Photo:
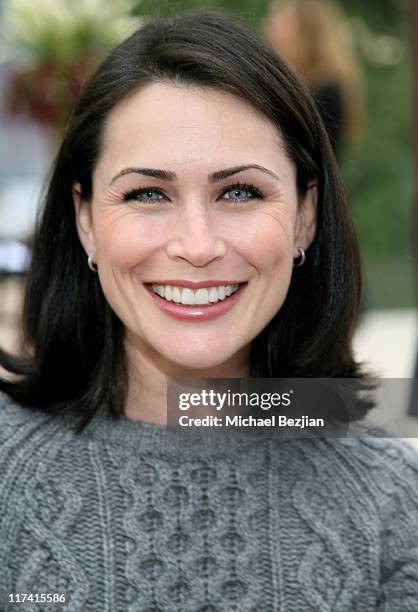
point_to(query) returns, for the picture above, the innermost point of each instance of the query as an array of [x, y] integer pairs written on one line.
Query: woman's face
[[193, 185]]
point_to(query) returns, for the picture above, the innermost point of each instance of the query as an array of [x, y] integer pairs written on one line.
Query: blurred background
[[355, 56]]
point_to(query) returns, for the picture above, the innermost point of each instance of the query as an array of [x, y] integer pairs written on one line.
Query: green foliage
[[61, 31], [247, 9], [379, 173]]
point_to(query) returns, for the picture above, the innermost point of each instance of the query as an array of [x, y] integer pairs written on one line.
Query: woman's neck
[[149, 374]]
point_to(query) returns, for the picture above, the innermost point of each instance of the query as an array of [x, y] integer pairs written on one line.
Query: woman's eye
[[146, 194], [236, 193], [242, 193]]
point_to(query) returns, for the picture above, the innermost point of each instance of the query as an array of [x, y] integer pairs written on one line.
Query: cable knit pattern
[[132, 517]]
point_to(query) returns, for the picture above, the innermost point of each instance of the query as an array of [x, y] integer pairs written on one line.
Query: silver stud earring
[[302, 258], [92, 265]]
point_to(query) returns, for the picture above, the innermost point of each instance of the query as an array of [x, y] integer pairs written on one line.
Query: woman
[[312, 36], [194, 158]]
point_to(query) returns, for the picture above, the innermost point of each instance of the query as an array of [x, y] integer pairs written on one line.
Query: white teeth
[[168, 292], [188, 297], [175, 295], [201, 297], [213, 294]]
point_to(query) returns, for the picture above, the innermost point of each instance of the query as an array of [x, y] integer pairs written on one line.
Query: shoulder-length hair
[[75, 357]]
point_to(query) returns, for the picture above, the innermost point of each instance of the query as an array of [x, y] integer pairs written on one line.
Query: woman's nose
[[197, 237]]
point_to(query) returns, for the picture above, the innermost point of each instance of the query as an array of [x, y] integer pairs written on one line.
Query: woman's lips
[[196, 312]]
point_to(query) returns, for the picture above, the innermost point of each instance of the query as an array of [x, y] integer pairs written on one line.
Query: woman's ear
[[84, 221], [306, 217]]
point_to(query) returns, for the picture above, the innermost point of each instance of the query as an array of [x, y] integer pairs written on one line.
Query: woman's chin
[[196, 367], [198, 363]]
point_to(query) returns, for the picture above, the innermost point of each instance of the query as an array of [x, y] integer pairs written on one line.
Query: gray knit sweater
[[133, 517]]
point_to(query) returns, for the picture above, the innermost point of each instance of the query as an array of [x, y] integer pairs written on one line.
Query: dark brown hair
[[76, 357]]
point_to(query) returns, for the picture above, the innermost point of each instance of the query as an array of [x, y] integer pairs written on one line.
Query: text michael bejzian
[[240, 421], [219, 401]]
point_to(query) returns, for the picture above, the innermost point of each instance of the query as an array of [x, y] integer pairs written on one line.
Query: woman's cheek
[[272, 237], [126, 239]]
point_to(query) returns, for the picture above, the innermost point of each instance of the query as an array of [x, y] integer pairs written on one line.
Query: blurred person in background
[[312, 36]]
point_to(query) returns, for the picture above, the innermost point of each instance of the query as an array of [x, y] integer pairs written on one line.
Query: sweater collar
[[160, 439]]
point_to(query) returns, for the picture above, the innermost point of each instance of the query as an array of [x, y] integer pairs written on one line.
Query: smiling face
[[199, 218]]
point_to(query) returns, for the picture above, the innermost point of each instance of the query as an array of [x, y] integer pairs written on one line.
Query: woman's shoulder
[[13, 414], [366, 470], [24, 426], [376, 448], [378, 470]]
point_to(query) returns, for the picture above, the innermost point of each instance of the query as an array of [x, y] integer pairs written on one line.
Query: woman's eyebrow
[[167, 175], [222, 174], [164, 175]]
